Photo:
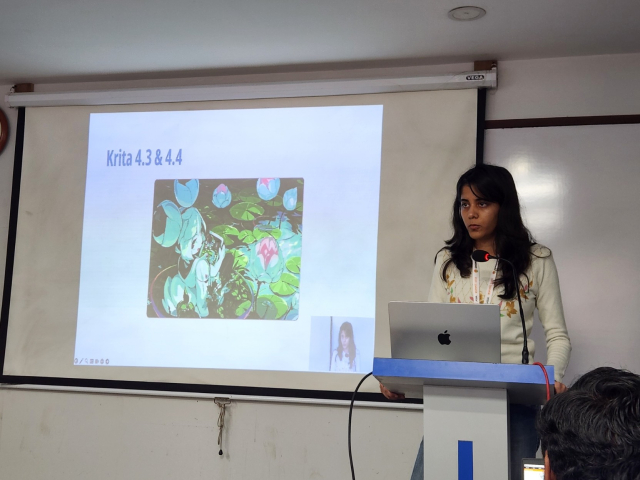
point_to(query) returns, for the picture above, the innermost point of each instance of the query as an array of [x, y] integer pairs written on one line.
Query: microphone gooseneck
[[483, 256]]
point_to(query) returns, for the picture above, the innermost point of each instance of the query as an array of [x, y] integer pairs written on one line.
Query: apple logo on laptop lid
[[444, 339]]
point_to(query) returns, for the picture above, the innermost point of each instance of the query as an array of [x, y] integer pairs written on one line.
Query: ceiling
[[43, 41]]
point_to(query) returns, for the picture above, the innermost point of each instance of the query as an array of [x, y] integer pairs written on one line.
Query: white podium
[[466, 431]]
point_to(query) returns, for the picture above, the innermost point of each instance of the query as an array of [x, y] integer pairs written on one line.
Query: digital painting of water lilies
[[227, 248]]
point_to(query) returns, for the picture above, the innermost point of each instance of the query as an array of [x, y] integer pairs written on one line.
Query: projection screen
[[240, 243]]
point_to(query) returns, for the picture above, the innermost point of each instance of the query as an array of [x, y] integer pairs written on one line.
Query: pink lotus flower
[[221, 196], [265, 260], [267, 188]]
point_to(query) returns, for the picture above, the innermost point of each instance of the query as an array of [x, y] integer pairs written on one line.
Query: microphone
[[483, 256]]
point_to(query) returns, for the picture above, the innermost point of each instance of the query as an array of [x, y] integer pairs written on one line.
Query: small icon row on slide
[[91, 361]]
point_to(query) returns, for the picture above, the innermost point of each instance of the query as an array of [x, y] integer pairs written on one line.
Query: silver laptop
[[457, 332]]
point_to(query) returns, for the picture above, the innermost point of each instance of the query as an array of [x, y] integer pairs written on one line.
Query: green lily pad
[[225, 230], [293, 264], [271, 307], [246, 211], [275, 201], [242, 308], [286, 285]]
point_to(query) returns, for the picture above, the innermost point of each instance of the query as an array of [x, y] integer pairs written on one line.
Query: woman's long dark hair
[[513, 240], [347, 328]]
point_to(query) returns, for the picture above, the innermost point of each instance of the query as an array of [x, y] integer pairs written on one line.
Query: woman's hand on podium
[[389, 394], [560, 387]]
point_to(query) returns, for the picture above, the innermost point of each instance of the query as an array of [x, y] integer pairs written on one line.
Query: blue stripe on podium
[[465, 460], [440, 369]]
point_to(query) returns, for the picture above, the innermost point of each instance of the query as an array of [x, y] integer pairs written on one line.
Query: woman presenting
[[486, 216]]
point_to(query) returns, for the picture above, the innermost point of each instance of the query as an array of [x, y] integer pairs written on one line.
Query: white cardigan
[[542, 291]]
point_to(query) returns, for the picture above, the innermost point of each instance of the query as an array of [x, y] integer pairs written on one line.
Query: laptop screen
[[533, 469]]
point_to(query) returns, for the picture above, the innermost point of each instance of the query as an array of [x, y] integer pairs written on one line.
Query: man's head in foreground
[[592, 432]]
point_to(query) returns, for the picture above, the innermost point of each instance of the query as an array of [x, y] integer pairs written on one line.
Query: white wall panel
[[566, 87], [579, 189], [62, 436]]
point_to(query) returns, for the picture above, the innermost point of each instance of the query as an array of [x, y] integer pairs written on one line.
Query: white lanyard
[[476, 284]]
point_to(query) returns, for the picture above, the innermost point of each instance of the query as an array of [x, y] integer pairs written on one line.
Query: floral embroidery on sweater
[[509, 308]]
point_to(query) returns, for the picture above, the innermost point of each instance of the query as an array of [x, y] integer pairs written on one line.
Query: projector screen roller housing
[[244, 243]]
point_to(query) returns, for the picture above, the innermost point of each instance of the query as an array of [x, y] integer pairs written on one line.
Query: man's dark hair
[[592, 431]]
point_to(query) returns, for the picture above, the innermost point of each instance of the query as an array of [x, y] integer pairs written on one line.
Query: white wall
[[52, 435], [55, 435], [576, 185], [566, 87]]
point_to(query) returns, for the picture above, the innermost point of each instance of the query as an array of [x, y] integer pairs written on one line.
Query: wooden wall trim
[[562, 121]]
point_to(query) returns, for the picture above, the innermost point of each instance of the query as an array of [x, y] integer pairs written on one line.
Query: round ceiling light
[[467, 13]]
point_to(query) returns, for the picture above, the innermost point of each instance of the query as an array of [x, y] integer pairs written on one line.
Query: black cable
[[483, 256], [525, 347], [353, 399]]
